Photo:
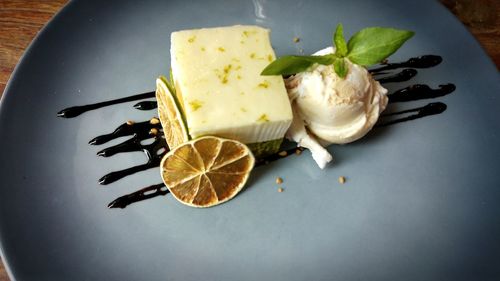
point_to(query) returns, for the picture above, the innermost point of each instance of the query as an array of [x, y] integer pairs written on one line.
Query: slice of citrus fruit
[[171, 119], [207, 171]]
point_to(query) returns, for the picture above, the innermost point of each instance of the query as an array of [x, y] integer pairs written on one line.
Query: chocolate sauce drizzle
[[403, 75], [277, 156], [143, 131], [419, 92], [432, 108], [146, 105], [143, 194], [74, 111], [426, 61]]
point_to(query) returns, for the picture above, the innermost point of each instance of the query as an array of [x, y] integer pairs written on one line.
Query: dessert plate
[[421, 199]]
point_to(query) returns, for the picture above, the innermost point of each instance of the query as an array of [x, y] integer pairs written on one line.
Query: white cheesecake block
[[217, 78]]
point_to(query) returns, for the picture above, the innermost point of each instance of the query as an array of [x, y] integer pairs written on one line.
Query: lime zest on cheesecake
[[366, 47]]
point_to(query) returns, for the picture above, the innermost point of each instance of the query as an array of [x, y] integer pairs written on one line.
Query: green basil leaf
[[289, 65], [339, 41], [373, 44], [340, 67]]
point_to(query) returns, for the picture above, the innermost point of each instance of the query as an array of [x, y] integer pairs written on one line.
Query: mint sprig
[[366, 47], [373, 44], [340, 67], [339, 41], [289, 65]]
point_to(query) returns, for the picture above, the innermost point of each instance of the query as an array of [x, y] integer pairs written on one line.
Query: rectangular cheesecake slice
[[218, 83]]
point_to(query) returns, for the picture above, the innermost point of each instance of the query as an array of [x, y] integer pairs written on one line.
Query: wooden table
[[20, 21]]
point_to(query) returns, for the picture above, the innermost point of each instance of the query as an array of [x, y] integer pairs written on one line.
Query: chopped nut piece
[[130, 122], [280, 189], [283, 153], [153, 131], [342, 179], [279, 180], [154, 121], [296, 39], [298, 151]]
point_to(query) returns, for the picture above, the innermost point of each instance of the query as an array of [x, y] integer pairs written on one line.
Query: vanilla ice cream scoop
[[336, 110], [298, 133]]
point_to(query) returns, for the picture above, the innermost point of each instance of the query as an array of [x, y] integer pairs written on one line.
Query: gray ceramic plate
[[421, 200]]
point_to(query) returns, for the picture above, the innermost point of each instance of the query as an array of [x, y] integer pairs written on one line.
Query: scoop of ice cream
[[336, 110], [298, 133]]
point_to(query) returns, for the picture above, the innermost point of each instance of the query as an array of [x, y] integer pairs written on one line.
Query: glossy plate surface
[[421, 201]]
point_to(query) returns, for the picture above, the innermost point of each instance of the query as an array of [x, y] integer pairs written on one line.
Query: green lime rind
[[171, 89]]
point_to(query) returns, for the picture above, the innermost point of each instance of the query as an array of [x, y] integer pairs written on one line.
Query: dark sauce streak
[[141, 131], [74, 111], [140, 128], [143, 194], [420, 91], [427, 110], [274, 157], [114, 176], [418, 62], [146, 105], [403, 75], [129, 145]]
